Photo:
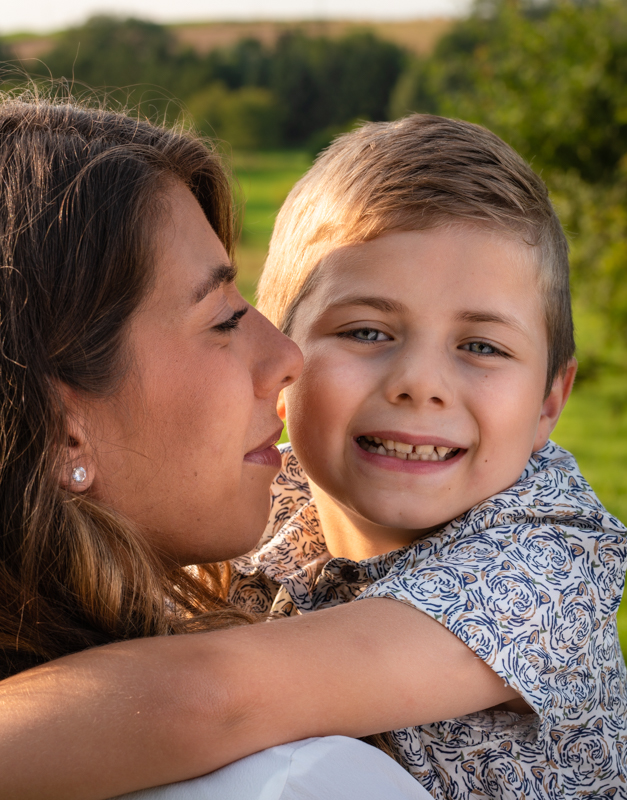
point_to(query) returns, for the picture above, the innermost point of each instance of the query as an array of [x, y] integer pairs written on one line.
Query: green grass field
[[263, 182], [594, 424], [593, 427]]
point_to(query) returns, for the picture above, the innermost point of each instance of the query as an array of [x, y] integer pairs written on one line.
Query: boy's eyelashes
[[369, 335], [483, 349], [231, 323], [365, 334]]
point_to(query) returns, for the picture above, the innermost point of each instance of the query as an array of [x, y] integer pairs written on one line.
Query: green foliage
[[325, 82], [254, 96], [320, 84], [247, 118], [595, 215], [320, 140], [246, 63], [139, 57], [552, 85], [112, 52]]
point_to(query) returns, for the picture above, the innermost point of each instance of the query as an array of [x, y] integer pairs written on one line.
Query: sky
[[47, 15]]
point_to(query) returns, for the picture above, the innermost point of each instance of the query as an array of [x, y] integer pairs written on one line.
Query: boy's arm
[[153, 711]]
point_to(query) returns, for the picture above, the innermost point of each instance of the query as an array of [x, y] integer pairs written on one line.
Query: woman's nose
[[279, 360]]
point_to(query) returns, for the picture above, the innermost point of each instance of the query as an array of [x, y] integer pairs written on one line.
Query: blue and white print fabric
[[530, 580]]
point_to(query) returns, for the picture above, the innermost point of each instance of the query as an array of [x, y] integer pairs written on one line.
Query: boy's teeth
[[405, 451]]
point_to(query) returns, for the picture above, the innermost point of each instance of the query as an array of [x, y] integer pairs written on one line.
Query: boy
[[424, 274]]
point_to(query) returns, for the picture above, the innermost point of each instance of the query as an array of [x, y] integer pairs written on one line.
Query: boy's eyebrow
[[223, 273], [490, 316], [380, 303], [392, 306]]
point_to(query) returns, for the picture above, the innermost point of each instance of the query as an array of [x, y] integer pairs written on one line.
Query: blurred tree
[[246, 118], [323, 83], [140, 57], [548, 78], [294, 80], [320, 140], [308, 84], [246, 63]]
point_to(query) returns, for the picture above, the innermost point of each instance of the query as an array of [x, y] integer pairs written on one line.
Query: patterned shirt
[[531, 580]]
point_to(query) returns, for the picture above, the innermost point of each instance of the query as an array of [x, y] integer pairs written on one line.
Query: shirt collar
[[296, 556]]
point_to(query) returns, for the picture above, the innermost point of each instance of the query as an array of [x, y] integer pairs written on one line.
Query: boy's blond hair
[[416, 173]]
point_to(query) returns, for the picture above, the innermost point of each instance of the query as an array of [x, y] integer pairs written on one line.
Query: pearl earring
[[79, 474]]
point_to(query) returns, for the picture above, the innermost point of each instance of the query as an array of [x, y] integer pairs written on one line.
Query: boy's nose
[[419, 381]]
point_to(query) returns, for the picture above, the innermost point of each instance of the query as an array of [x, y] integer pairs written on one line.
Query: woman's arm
[[324, 768], [154, 711]]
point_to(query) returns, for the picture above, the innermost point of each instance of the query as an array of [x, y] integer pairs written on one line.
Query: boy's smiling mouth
[[404, 451]]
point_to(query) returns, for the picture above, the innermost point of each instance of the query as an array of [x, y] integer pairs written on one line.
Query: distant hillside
[[419, 35]]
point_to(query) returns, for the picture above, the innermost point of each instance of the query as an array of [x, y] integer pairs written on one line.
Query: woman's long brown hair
[[79, 202]]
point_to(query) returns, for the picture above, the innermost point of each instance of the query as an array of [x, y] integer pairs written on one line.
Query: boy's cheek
[[310, 411], [318, 411], [326, 382]]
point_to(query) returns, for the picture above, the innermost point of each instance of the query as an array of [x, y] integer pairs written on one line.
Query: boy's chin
[[415, 525]]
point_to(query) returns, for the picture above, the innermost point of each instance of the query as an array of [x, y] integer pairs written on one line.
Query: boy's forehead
[[400, 259]]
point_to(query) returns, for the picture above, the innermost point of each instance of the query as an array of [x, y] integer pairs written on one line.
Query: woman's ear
[[77, 468], [280, 405], [554, 403]]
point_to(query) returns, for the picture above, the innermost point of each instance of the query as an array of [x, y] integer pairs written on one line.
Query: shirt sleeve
[[527, 600]]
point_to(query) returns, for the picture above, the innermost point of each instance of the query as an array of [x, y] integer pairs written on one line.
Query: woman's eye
[[231, 323], [366, 335], [482, 349]]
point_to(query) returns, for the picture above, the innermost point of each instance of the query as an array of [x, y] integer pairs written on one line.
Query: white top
[[326, 768]]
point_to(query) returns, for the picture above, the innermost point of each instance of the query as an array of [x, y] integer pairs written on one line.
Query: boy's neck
[[348, 535]]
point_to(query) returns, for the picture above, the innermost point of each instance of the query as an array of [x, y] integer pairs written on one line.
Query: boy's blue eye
[[481, 348], [365, 335]]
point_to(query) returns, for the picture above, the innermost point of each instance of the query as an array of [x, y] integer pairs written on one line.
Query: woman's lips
[[268, 457], [267, 454]]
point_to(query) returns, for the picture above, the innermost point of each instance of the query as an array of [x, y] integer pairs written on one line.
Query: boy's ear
[[554, 404], [78, 469], [280, 405]]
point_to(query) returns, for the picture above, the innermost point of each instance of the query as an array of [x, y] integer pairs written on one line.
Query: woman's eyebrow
[[223, 273]]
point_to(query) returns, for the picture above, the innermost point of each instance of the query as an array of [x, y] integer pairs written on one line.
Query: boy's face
[[432, 342]]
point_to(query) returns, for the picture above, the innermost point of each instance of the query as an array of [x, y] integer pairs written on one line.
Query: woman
[[138, 424]]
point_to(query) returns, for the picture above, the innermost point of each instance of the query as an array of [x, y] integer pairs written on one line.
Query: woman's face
[[185, 448]]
